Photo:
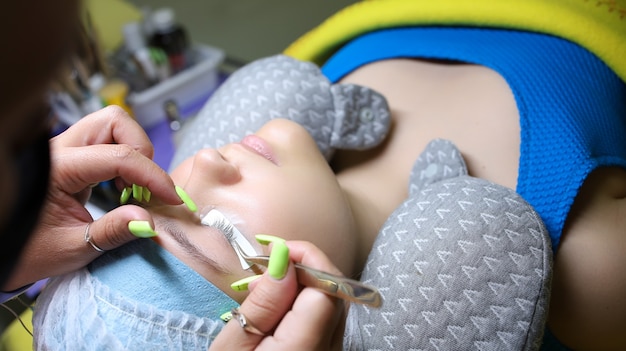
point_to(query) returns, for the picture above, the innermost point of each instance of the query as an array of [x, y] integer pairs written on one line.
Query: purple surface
[[161, 137], [31, 292]]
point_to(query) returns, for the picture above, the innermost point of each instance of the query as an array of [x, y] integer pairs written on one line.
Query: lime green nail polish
[[226, 316], [242, 284], [186, 199], [137, 192], [279, 260], [265, 239], [279, 256], [147, 194], [141, 229], [125, 196]]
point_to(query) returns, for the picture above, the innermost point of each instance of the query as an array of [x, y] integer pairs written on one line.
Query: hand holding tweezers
[[341, 287]]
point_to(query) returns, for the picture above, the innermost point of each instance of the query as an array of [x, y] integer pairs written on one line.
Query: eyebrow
[[190, 248]]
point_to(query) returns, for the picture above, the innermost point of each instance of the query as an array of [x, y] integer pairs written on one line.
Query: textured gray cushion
[[462, 264], [338, 116]]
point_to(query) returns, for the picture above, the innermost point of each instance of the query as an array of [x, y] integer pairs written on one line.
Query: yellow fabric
[[599, 26], [15, 338]]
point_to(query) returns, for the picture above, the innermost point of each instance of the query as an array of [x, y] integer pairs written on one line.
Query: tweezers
[[341, 287]]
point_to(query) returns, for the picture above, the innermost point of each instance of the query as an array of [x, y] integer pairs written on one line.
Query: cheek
[[181, 173], [312, 209], [332, 226]]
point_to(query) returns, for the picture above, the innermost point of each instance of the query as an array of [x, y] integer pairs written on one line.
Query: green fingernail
[[186, 199], [265, 239], [226, 316], [147, 194], [125, 196], [141, 229], [137, 192], [279, 260], [242, 285]]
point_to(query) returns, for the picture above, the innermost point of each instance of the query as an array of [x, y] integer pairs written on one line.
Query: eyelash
[[225, 227]]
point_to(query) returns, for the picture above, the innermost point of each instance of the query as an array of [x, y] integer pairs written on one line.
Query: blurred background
[[161, 60], [244, 29]]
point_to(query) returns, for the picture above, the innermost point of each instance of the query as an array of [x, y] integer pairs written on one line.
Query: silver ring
[[243, 322], [89, 241]]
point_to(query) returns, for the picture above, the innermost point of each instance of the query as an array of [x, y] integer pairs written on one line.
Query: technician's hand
[[285, 316], [105, 145]]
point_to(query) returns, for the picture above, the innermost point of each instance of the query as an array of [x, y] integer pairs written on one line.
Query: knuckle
[[315, 297], [262, 301], [111, 236], [115, 112], [124, 151]]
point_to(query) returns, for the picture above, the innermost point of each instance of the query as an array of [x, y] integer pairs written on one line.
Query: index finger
[[75, 168], [110, 125]]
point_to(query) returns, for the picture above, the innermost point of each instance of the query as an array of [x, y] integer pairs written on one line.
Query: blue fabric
[[137, 297], [144, 271], [572, 106]]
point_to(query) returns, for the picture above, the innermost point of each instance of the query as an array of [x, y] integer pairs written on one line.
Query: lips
[[259, 147]]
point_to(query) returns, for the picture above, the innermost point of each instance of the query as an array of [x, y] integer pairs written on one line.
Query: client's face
[[274, 182]]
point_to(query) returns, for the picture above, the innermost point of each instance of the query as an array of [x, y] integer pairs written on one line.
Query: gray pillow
[[338, 116], [462, 264]]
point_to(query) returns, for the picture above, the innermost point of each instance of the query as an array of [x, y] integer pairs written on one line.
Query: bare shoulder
[[588, 308]]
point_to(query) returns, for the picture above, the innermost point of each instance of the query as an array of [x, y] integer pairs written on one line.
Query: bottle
[[169, 36], [135, 44]]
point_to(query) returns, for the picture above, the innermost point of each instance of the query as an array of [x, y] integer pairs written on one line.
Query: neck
[[372, 191], [369, 218]]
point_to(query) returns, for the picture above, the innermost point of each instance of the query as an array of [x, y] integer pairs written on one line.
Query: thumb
[[120, 226], [270, 298]]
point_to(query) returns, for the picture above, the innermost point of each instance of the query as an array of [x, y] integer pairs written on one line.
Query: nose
[[210, 168]]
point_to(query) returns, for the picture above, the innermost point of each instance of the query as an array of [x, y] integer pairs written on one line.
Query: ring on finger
[[89, 240], [244, 323]]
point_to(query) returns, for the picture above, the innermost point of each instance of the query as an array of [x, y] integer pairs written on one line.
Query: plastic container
[[188, 89]]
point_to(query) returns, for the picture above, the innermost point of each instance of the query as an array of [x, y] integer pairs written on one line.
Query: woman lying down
[[402, 173]]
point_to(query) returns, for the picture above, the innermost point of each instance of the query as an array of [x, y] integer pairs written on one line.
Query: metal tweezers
[[341, 287]]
